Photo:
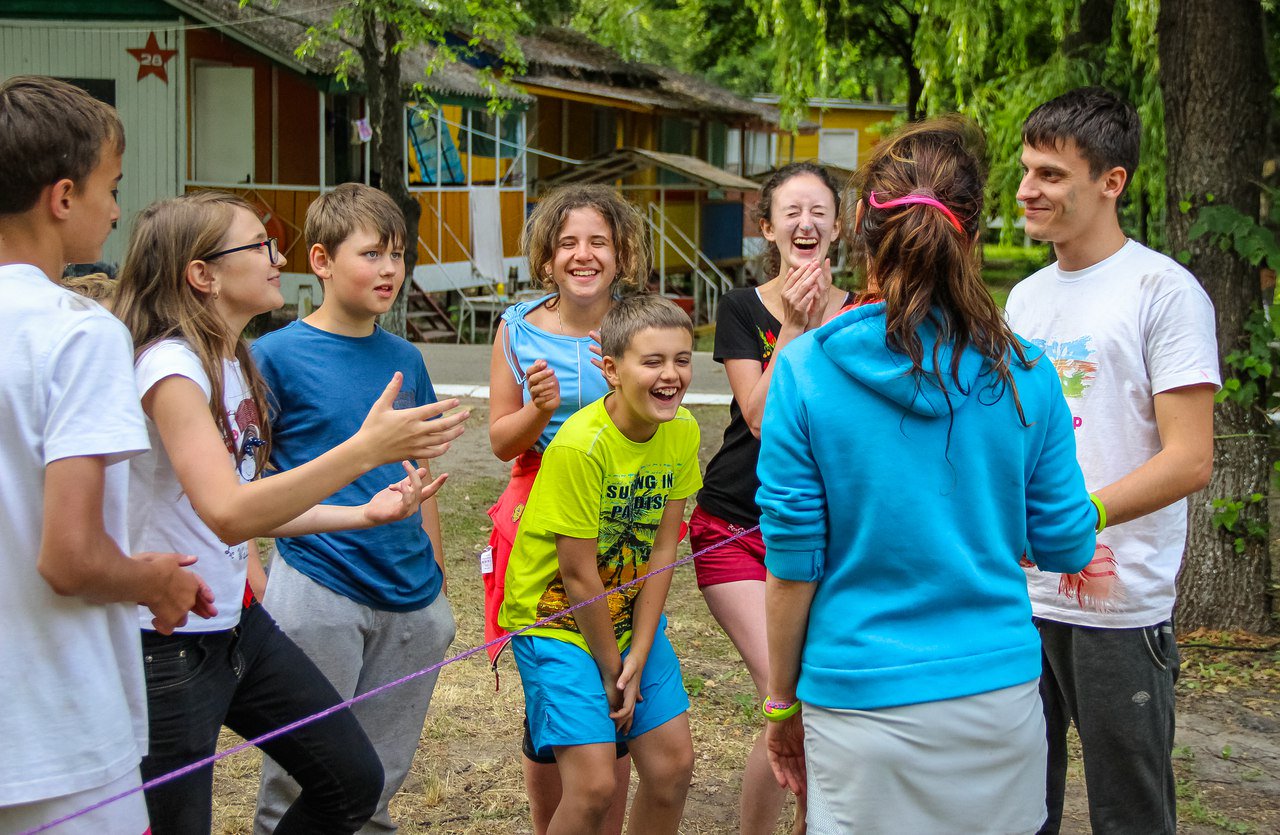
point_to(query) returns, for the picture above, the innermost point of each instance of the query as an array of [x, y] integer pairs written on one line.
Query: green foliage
[[1027, 259], [1244, 519], [1233, 230]]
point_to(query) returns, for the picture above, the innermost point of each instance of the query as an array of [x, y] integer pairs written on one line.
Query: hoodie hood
[[855, 342]]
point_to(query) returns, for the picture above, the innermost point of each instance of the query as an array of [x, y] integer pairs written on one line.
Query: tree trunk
[[1216, 89], [381, 66], [1093, 28]]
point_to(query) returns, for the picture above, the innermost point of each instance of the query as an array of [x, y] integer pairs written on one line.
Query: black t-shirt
[[745, 329]]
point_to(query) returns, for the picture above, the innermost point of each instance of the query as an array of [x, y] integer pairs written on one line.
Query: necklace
[[559, 321]]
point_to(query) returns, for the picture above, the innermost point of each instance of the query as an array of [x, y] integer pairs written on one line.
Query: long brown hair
[[156, 302], [925, 266]]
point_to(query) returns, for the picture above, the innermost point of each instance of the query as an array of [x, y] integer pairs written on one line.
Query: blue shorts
[[564, 700]]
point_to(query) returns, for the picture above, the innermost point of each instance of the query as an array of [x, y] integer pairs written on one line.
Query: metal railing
[[708, 277]]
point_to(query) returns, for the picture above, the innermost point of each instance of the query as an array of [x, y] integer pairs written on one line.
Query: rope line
[[306, 720]]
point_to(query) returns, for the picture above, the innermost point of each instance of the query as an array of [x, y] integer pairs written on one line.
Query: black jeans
[[252, 679], [1117, 686]]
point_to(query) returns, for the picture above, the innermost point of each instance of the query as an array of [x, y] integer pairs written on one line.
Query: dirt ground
[[466, 777]]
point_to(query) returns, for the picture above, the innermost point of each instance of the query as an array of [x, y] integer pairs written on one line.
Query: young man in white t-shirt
[[1132, 336], [74, 718]]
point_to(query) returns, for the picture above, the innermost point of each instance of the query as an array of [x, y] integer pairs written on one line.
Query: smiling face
[[585, 261], [362, 277], [1064, 203], [94, 210], [649, 380], [246, 283], [802, 220]]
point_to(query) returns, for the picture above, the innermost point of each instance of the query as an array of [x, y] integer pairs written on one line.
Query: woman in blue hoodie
[[912, 451]]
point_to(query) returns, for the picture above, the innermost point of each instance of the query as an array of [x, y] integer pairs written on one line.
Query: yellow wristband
[[777, 711], [1102, 513]]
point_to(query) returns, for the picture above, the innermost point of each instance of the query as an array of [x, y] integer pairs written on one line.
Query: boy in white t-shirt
[[74, 723], [1132, 336]]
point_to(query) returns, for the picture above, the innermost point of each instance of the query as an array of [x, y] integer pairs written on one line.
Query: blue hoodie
[[911, 514]]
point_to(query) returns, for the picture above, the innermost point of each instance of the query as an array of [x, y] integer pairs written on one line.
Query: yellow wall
[[869, 124]]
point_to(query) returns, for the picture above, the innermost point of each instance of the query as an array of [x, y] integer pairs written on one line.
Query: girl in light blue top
[[911, 451], [584, 244]]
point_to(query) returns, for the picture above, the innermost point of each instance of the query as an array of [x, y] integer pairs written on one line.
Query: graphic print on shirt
[[767, 340], [1075, 363], [246, 437], [630, 512]]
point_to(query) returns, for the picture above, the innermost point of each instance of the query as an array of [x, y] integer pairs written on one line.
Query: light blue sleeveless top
[[569, 356]]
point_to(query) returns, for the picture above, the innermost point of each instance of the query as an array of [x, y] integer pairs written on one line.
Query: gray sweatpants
[[358, 649]]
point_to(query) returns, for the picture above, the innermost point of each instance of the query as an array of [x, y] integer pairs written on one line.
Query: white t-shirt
[[74, 712], [160, 514], [1119, 332]]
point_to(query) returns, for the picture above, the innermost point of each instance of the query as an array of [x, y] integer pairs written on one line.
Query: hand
[[628, 689], [818, 314], [544, 388], [390, 434], [801, 295], [784, 744], [178, 592], [597, 351], [402, 499]]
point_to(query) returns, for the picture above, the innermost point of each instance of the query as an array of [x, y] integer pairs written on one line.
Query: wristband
[[776, 711], [1102, 513]]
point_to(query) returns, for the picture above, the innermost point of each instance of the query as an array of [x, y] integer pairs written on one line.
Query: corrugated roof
[[624, 162]]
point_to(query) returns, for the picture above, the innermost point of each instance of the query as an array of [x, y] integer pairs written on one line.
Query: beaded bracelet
[[776, 711]]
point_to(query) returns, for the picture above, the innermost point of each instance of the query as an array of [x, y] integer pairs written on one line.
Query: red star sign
[[151, 59]]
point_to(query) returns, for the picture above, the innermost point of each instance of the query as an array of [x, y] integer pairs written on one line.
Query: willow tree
[[1208, 71]]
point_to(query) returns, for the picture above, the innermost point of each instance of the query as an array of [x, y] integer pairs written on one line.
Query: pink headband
[[916, 197]]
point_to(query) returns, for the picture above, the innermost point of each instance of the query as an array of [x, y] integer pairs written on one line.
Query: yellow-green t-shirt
[[595, 483]]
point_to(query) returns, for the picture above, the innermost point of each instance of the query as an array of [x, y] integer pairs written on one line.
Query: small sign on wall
[[152, 59]]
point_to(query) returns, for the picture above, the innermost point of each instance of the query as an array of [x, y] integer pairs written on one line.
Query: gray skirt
[[964, 766]]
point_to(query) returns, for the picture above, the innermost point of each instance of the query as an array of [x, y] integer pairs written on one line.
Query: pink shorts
[[742, 559]]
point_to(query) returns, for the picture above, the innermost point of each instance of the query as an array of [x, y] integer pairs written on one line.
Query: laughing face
[[649, 380], [585, 261], [802, 220]]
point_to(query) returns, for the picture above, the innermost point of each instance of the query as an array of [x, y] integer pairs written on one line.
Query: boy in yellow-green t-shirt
[[606, 508]]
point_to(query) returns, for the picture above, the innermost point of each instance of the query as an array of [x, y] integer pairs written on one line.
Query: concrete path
[[463, 371]]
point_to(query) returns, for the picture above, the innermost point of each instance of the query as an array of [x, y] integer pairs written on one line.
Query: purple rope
[[307, 720]]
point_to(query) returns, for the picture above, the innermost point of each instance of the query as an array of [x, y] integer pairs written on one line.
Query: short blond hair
[[339, 214], [635, 313], [100, 287]]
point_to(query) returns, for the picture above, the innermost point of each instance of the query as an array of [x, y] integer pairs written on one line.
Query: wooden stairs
[[426, 320]]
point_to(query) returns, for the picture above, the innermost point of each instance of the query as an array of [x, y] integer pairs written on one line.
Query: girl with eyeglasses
[[198, 268]]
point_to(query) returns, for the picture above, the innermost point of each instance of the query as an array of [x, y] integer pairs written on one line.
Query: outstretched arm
[[236, 512]]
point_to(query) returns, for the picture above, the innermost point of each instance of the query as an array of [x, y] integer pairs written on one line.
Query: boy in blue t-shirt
[[365, 605], [606, 508]]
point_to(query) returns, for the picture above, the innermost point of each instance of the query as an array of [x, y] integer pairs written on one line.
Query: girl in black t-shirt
[[799, 215]]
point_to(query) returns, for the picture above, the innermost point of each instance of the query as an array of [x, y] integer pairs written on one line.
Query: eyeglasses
[[272, 245]]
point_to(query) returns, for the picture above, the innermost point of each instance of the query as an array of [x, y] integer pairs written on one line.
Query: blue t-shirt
[[569, 356], [322, 387]]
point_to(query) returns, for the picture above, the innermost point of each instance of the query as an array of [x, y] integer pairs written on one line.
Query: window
[[838, 147], [222, 128]]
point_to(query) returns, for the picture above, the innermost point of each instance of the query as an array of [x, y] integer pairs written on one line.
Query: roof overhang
[[625, 162]]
